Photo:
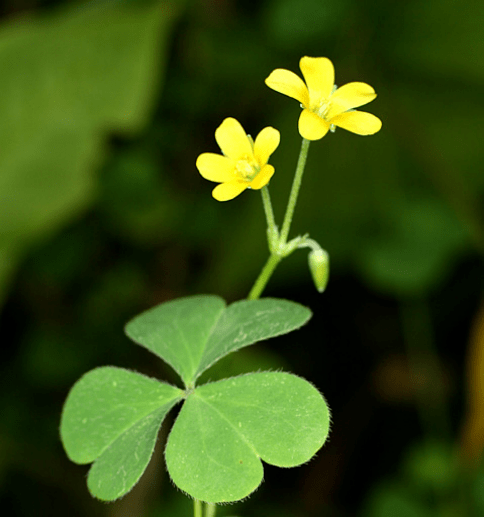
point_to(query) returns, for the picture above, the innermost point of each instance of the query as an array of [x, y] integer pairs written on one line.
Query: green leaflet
[[121, 465], [112, 416], [194, 332], [225, 428]]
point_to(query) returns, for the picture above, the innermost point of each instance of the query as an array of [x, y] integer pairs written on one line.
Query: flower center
[[323, 108], [246, 169]]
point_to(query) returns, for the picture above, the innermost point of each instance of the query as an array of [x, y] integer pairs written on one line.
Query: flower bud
[[319, 267]]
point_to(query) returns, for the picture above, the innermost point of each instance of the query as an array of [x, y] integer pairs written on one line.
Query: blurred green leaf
[[67, 80], [432, 466], [417, 250], [396, 501], [293, 23]]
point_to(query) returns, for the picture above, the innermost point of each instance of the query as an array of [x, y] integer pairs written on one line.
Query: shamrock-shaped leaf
[[194, 332], [225, 428], [112, 416]]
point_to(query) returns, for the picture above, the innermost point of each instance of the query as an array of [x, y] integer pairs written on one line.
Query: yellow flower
[[244, 162], [323, 105]]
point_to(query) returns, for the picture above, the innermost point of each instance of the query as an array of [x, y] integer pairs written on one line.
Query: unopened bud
[[319, 267]]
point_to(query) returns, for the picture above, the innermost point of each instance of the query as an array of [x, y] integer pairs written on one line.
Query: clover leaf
[[112, 416], [192, 333], [224, 429]]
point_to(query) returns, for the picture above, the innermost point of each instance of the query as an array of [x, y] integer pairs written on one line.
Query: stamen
[[323, 108], [246, 170]]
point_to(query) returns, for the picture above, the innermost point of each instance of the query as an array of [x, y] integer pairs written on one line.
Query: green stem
[[197, 508], [264, 276], [296, 185], [277, 243], [210, 510], [266, 201]]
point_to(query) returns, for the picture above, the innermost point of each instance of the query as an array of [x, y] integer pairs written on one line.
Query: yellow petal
[[311, 126], [351, 95], [319, 76], [358, 122], [229, 190], [290, 84], [232, 139], [265, 144], [262, 179], [215, 167]]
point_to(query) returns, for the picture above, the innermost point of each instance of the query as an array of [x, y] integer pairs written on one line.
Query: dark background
[[104, 108]]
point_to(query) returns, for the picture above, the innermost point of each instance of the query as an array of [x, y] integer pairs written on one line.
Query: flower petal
[[358, 122], [311, 126], [288, 83], [229, 190], [215, 167], [232, 139], [265, 144], [262, 179], [351, 95], [319, 76]]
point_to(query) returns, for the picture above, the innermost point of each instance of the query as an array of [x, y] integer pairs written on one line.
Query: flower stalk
[[278, 245], [296, 185], [264, 276], [272, 231]]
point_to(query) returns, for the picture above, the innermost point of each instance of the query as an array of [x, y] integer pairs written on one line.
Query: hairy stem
[[277, 243], [296, 185]]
